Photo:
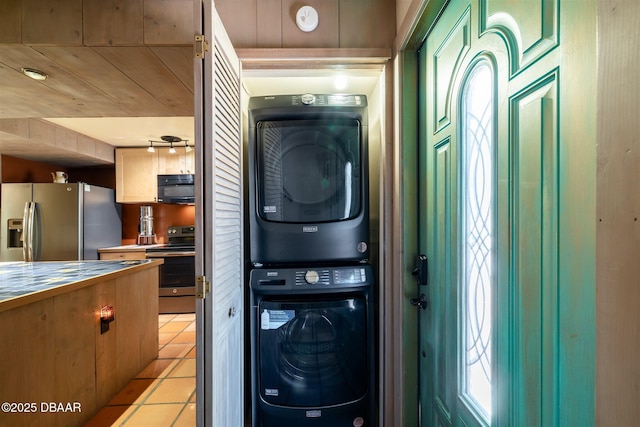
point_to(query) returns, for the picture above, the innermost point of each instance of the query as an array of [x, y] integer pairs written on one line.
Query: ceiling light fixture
[[187, 147], [34, 74], [168, 139], [340, 82]]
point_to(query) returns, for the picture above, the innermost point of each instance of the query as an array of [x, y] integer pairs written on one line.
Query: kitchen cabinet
[[137, 170], [177, 163]]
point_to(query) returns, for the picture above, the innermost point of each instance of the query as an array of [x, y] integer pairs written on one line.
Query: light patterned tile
[[154, 415], [173, 351], [111, 416], [134, 392], [184, 338], [192, 353], [165, 337], [158, 368], [172, 390], [184, 368], [164, 318], [174, 327], [187, 417]]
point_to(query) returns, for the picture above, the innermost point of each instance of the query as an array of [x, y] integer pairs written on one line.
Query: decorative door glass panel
[[478, 165]]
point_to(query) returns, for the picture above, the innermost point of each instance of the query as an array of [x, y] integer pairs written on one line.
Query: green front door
[[506, 216]]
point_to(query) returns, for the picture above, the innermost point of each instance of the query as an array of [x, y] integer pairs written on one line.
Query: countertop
[[125, 248], [25, 282]]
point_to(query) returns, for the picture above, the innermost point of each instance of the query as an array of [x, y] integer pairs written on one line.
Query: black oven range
[[177, 274]]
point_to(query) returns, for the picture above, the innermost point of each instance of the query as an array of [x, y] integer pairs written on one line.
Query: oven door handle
[[169, 254]]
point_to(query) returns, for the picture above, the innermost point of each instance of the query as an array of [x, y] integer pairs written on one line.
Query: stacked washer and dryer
[[312, 308]]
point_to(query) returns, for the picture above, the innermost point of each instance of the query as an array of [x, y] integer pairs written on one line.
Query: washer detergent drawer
[[313, 353]]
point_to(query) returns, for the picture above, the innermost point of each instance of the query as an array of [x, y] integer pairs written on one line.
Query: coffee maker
[[146, 236]]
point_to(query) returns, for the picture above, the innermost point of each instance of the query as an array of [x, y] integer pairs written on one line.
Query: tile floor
[[164, 393]]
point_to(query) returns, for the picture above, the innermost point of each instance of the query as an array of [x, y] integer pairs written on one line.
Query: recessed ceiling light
[[34, 74], [340, 82]]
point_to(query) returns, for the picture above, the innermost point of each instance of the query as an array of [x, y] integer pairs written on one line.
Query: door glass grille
[[478, 235]]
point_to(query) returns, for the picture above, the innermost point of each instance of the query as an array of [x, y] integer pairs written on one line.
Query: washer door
[[312, 354]]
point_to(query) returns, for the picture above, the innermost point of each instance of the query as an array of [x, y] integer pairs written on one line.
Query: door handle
[[420, 302], [421, 269], [420, 273]]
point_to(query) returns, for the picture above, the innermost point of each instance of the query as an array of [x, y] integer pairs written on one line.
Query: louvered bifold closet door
[[222, 223]]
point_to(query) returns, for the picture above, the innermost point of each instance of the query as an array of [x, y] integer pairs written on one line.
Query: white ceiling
[[137, 131]]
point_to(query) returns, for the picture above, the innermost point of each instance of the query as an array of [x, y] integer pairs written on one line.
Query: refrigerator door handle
[[28, 224], [25, 232]]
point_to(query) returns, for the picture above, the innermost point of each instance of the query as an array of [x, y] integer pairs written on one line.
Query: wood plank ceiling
[[103, 59]]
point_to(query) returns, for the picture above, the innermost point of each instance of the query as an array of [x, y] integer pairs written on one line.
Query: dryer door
[[313, 354], [309, 170]]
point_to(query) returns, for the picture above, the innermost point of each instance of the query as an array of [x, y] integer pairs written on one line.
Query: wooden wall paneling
[[618, 215], [26, 334], [86, 145], [148, 284], [168, 22], [52, 22], [127, 326], [42, 131], [268, 24], [15, 127], [240, 26], [106, 345], [367, 23], [179, 59], [113, 22], [75, 353], [105, 152], [10, 21], [325, 35], [66, 140], [147, 70], [118, 95]]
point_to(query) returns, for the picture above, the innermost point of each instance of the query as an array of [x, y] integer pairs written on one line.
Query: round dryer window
[[316, 169]]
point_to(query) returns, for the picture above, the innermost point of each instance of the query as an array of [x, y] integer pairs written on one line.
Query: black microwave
[[177, 189]]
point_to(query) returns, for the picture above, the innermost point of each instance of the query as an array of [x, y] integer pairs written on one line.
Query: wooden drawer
[[122, 255]]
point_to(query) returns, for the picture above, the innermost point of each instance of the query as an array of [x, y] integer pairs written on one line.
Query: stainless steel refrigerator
[[57, 222]]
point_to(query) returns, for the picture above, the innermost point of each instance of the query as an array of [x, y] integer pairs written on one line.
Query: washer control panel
[[333, 276], [311, 277]]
